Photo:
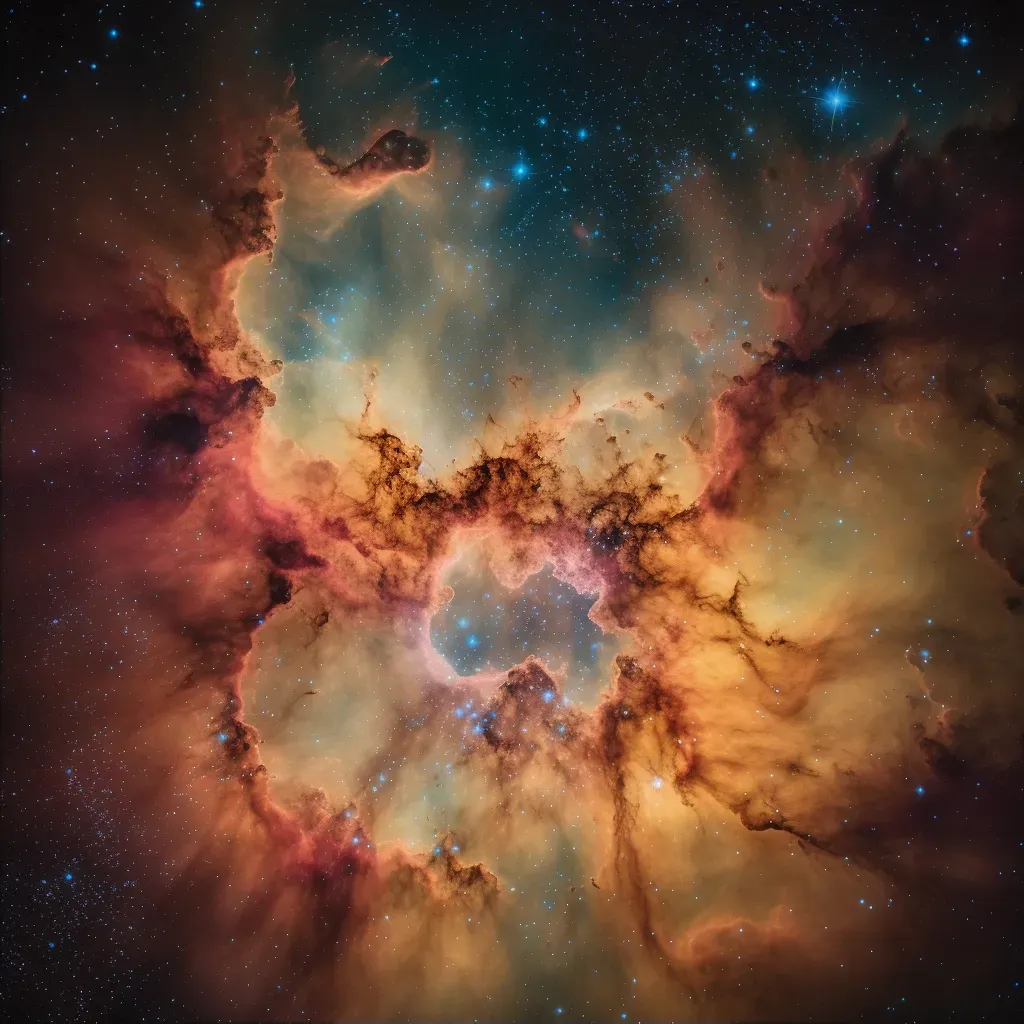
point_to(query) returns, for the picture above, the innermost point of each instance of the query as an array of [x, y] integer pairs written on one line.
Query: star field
[[512, 513]]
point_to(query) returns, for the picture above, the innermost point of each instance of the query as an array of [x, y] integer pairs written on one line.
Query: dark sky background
[[602, 109], [576, 126]]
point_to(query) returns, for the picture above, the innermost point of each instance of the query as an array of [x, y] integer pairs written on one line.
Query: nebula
[[743, 740], [393, 153]]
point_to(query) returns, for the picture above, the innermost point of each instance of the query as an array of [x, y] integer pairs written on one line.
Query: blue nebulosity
[[485, 626], [563, 181]]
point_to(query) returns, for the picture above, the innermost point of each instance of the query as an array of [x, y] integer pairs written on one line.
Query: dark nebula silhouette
[[393, 153]]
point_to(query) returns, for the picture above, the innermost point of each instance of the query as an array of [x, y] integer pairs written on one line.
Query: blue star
[[472, 640], [835, 100], [520, 170], [542, 121], [964, 40], [113, 33], [752, 83], [582, 133], [486, 184]]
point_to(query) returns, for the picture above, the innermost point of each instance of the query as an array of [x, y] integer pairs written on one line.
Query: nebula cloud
[[780, 771]]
